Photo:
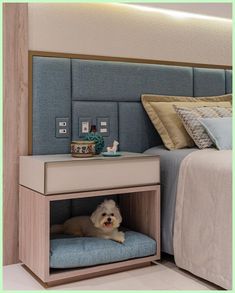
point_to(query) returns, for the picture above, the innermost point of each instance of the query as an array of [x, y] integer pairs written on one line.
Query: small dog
[[103, 223]]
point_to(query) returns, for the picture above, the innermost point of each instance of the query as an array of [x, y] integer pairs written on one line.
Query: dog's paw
[[120, 237]]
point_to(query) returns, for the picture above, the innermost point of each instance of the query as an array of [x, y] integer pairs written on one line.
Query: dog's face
[[107, 216]]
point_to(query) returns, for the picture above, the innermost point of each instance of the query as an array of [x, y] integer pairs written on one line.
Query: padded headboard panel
[[75, 89], [51, 98], [125, 82]]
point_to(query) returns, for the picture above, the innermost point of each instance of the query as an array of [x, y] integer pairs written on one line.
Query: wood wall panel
[[15, 118]]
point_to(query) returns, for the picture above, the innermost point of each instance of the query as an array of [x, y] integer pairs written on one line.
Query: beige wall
[[121, 30]]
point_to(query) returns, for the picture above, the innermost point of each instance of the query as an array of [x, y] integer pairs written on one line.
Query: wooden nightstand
[[135, 178]]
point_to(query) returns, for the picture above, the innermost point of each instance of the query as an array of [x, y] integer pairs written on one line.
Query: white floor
[[162, 276]]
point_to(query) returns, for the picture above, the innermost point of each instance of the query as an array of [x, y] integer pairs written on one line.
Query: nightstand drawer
[[48, 175]]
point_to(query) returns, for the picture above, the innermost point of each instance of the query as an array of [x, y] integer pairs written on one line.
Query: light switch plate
[[102, 125], [62, 127], [84, 125]]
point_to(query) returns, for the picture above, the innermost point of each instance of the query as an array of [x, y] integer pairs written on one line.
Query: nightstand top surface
[[68, 157]]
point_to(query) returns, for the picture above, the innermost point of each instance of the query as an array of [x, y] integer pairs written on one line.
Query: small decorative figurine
[[113, 149]]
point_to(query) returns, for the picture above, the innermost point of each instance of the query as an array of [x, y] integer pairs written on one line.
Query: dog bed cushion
[[89, 251]]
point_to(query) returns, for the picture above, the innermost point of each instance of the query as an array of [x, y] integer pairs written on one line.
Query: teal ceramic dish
[[111, 154]]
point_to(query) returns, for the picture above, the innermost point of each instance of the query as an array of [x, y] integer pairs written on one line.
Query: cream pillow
[[166, 121], [162, 98]]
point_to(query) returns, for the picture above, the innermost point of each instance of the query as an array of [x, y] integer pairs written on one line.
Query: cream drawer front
[[79, 176]]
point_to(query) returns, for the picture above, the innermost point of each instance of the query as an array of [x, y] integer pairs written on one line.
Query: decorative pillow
[[190, 119], [219, 130], [163, 98], [164, 118]]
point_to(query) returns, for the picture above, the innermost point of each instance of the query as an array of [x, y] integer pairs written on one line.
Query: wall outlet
[[102, 124], [84, 125], [63, 123], [62, 127]]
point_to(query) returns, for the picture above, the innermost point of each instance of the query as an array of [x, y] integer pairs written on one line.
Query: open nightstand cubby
[[133, 179]]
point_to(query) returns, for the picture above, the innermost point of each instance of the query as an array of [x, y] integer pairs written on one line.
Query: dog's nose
[[109, 219]]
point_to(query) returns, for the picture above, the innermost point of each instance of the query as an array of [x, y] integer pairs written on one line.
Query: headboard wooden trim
[[124, 59], [100, 58], [30, 103]]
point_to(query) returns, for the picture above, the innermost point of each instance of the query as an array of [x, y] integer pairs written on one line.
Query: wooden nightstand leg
[[34, 232]]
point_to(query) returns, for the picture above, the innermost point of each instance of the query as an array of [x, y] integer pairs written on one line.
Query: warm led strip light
[[173, 13]]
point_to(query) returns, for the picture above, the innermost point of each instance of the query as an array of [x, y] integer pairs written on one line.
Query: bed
[[196, 194], [170, 165], [80, 88]]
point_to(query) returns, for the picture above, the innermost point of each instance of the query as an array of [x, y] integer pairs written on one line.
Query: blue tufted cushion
[[51, 100], [136, 131], [88, 251], [73, 88], [208, 82], [124, 81], [229, 81]]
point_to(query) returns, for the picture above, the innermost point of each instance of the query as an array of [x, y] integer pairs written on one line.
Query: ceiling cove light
[[173, 13]]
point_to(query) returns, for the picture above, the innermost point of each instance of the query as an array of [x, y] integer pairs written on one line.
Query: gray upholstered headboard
[[76, 89]]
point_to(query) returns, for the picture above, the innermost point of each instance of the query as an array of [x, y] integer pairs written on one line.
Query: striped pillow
[[190, 119]]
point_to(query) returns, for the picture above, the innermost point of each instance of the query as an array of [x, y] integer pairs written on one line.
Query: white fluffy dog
[[103, 223]]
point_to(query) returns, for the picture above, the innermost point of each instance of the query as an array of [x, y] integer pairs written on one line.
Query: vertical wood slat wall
[[15, 118]]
